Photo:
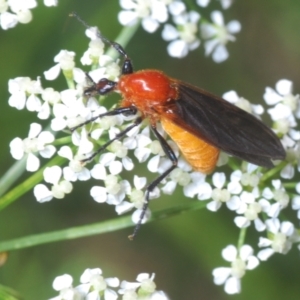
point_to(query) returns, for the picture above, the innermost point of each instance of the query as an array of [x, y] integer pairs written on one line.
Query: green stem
[[242, 237], [272, 172], [93, 229], [13, 174], [28, 184]]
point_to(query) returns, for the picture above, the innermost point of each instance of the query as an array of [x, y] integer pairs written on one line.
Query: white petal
[[16, 148], [84, 175], [150, 24], [142, 154], [153, 164], [58, 124], [98, 172], [17, 100], [203, 3], [99, 194], [108, 295], [273, 225], [66, 152], [48, 151], [205, 190], [50, 2], [220, 54], [176, 8], [232, 286], [169, 33], [124, 207], [264, 242], [265, 254], [259, 225], [33, 103], [213, 205], [218, 179], [107, 158], [44, 111], [127, 18], [221, 274], [234, 203], [177, 48], [139, 182], [229, 253], [252, 263], [33, 163], [169, 188], [42, 193], [62, 282], [245, 252], [217, 17], [234, 26], [137, 214], [241, 222], [284, 87], [115, 167], [52, 174], [8, 20], [34, 130], [52, 73], [127, 163], [287, 228]]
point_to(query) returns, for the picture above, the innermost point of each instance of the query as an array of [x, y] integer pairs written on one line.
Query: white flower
[[250, 210], [23, 92], [50, 2], [63, 284], [218, 35], [284, 113], [59, 187], [70, 112], [20, 12], [50, 97], [241, 261], [279, 195], [114, 191], [65, 62], [145, 286], [283, 236], [224, 3], [76, 170], [35, 143], [217, 194], [137, 199], [151, 12], [184, 37], [94, 285]]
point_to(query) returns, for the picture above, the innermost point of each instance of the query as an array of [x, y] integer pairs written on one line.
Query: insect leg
[[128, 111], [171, 155], [117, 137]]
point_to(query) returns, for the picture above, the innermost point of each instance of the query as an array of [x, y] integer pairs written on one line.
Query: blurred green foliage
[[182, 251]]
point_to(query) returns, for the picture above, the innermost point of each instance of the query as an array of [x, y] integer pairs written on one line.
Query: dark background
[[183, 250]]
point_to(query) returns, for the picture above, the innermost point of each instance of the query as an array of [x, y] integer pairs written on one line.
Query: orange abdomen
[[202, 156]]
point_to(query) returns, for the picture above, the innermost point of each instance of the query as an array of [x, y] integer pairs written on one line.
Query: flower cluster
[[13, 12], [187, 29], [257, 198], [95, 286]]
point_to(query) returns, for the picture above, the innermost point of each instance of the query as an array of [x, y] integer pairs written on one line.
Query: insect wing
[[224, 125]]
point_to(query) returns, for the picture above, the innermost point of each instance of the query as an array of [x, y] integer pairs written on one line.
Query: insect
[[200, 123]]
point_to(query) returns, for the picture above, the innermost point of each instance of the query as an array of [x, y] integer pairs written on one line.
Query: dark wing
[[224, 126]]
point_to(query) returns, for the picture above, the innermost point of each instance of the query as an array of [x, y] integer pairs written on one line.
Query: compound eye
[[103, 87]]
